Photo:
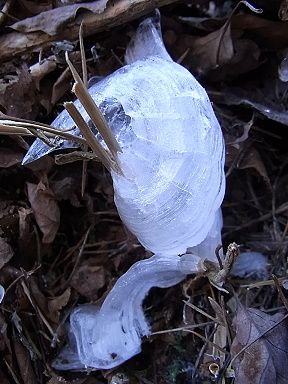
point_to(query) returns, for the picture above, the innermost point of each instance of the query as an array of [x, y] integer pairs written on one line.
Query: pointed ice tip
[[37, 150], [147, 41]]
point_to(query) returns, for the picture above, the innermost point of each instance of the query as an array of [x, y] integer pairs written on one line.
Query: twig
[[78, 258], [116, 13]]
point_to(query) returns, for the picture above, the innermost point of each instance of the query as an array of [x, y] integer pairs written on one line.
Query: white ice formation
[[169, 194], [251, 265]]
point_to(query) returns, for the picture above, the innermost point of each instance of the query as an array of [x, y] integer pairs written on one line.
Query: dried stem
[[93, 111], [85, 81], [26, 128], [89, 136]]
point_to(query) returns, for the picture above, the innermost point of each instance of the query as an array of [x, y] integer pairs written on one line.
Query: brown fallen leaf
[[57, 303], [55, 19], [61, 86], [252, 159], [115, 14], [88, 279], [6, 252], [45, 209], [34, 7], [266, 33], [212, 50], [24, 363], [49, 307], [21, 89], [42, 68], [259, 349]]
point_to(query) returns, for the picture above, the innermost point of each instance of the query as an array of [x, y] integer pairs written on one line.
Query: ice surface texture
[[168, 195], [107, 337]]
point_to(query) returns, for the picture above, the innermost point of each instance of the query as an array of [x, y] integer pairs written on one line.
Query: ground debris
[[259, 349], [60, 246]]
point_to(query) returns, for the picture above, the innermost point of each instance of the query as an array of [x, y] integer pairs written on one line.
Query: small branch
[[117, 13]]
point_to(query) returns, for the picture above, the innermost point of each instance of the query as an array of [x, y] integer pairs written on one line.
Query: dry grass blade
[[184, 328], [27, 128], [83, 58], [89, 136], [85, 81], [203, 312], [14, 130], [37, 309], [93, 111]]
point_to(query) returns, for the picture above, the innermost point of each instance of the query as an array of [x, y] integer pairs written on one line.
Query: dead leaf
[[252, 159], [265, 33], [10, 157], [264, 337], [24, 227], [49, 307], [268, 96], [57, 303], [36, 7], [45, 209], [61, 86], [24, 363], [6, 252], [53, 20], [42, 68], [212, 50], [21, 89], [66, 189], [88, 279], [283, 10]]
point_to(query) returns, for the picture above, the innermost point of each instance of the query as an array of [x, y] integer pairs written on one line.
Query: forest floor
[[62, 242]]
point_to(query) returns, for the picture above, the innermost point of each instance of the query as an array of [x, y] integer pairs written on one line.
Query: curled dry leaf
[[42, 68], [55, 19], [212, 50], [260, 347], [45, 209]]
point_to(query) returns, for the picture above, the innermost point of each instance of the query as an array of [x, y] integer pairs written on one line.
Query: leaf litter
[[60, 247]]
